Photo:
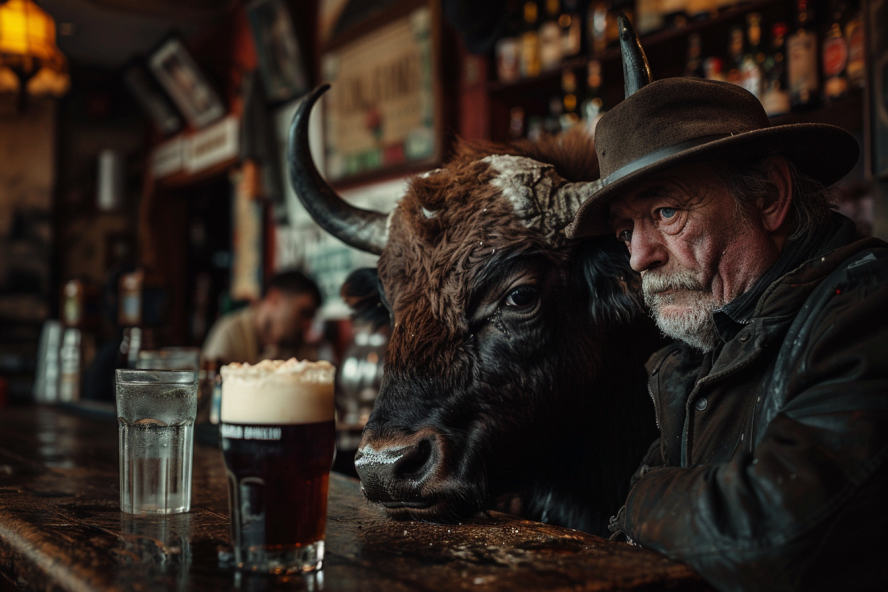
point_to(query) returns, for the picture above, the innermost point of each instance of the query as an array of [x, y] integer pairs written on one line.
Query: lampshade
[[28, 49]]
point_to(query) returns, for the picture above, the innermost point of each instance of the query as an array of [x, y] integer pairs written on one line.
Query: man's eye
[[522, 297], [625, 236], [667, 213]]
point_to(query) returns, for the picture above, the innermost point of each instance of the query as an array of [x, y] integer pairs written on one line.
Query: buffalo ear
[[361, 293], [614, 288]]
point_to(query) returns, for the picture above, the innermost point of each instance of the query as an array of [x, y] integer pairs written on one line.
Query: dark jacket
[[771, 471]]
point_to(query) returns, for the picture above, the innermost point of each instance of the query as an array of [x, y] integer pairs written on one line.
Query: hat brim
[[824, 152]]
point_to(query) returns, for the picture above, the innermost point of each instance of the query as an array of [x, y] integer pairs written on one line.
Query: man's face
[[693, 247], [288, 317]]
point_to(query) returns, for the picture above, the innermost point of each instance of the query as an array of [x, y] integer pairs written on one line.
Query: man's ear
[[775, 210], [614, 288]]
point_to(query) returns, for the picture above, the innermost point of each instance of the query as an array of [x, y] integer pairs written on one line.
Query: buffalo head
[[505, 336]]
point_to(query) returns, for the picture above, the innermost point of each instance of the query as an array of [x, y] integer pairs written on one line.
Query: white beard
[[686, 313]]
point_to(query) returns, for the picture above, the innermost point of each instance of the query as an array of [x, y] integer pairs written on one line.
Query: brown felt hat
[[677, 121]]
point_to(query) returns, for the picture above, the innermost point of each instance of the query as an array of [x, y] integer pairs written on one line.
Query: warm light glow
[[28, 50], [9, 82], [49, 82]]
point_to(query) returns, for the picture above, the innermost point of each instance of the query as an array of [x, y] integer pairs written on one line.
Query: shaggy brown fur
[[485, 398], [431, 262]]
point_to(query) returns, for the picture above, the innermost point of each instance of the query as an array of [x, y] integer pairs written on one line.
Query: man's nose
[[646, 251]]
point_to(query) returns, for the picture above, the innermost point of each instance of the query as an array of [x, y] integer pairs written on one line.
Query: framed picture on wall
[[382, 114], [877, 88], [151, 98], [180, 77], [280, 57]]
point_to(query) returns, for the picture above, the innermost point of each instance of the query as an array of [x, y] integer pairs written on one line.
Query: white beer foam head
[[277, 392]]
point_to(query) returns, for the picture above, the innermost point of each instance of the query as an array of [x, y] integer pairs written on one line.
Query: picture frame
[[184, 82], [876, 95], [151, 98], [383, 113], [281, 60]]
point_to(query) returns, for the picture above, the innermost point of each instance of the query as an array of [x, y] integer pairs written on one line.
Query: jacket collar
[[787, 294]]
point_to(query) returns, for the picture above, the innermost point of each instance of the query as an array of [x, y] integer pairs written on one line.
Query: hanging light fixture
[[30, 60]]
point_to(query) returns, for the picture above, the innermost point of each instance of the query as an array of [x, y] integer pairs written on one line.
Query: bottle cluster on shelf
[[788, 67], [789, 70]]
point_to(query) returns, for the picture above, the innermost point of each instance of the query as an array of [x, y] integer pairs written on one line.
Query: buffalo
[[514, 378]]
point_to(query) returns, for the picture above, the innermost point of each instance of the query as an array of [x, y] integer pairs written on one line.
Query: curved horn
[[636, 70], [362, 229]]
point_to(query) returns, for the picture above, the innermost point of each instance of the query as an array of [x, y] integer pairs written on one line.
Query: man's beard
[[692, 303]]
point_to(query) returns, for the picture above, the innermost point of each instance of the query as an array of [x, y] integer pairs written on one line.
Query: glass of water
[[155, 414]]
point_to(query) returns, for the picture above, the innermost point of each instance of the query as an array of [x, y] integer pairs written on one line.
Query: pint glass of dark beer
[[278, 440]]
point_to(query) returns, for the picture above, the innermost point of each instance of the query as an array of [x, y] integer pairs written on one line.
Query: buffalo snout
[[398, 472]]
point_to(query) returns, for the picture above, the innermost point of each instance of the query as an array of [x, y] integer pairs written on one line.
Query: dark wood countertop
[[61, 529]]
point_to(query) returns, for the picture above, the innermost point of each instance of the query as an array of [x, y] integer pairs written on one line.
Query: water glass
[[156, 410]]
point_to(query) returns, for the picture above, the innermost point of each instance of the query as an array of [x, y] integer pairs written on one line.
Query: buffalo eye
[[522, 297]]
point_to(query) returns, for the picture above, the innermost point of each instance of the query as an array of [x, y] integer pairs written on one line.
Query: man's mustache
[[653, 284]]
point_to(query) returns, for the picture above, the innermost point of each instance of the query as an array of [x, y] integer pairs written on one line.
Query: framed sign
[[382, 112], [280, 59], [151, 99], [173, 67]]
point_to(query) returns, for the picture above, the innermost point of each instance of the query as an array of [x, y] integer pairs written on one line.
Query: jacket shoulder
[[840, 335]]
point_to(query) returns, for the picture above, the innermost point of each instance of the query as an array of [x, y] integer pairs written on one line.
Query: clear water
[[155, 466]]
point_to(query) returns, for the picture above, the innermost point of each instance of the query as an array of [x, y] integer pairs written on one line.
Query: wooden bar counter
[[61, 529]]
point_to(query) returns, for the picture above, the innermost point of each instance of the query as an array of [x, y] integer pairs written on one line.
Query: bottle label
[[775, 101], [751, 77], [835, 56], [530, 54], [802, 65], [856, 52], [508, 59], [550, 45], [571, 37], [648, 16]]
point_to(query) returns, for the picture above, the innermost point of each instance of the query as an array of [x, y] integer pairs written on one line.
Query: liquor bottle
[[648, 16], [775, 98], [571, 23], [801, 73], [694, 64], [530, 42], [593, 102], [856, 49], [735, 56], [130, 299], [674, 14], [71, 365], [569, 103], [835, 55], [73, 303], [713, 69], [508, 51], [516, 123], [550, 37], [597, 17], [751, 67], [130, 347]]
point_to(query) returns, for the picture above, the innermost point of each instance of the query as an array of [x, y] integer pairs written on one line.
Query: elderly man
[[771, 471]]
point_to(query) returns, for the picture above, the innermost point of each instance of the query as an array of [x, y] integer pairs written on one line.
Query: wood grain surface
[[61, 529]]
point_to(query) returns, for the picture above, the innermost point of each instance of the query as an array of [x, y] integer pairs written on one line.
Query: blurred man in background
[[271, 328]]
